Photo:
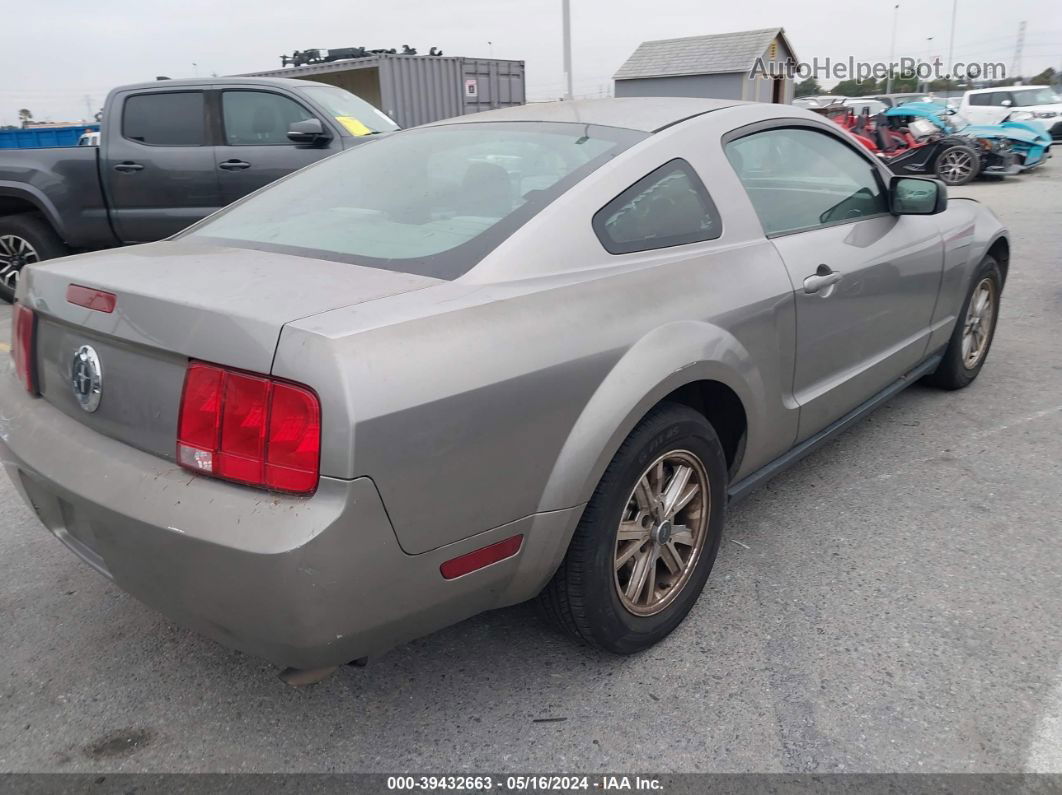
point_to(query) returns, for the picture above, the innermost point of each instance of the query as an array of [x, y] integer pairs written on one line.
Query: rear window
[[431, 201], [165, 119]]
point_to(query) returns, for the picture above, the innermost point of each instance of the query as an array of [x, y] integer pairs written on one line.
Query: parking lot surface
[[890, 604]]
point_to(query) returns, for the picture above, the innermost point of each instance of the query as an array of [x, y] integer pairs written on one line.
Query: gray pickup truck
[[170, 153]]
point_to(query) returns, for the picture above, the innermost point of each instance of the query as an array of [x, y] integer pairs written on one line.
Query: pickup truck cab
[[1015, 103], [170, 153]]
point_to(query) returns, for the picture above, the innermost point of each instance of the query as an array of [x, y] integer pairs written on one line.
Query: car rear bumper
[[302, 582]]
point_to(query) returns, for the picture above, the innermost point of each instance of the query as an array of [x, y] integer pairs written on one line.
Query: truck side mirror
[[1006, 103], [310, 132]]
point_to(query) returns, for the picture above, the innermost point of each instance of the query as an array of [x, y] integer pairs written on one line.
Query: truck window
[[259, 118], [979, 99], [172, 118]]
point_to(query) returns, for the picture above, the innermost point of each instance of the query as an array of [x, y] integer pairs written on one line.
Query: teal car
[[1029, 140]]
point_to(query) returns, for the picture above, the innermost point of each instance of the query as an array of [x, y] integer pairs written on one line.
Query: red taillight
[[23, 326], [484, 556], [249, 429]]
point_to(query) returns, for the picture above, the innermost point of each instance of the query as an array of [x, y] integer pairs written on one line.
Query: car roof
[[1003, 88], [205, 82], [647, 114]]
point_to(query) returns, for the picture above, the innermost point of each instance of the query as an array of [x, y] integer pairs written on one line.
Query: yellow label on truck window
[[354, 127]]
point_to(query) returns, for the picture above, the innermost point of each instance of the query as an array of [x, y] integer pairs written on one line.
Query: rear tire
[[974, 330], [637, 562], [957, 165], [24, 239]]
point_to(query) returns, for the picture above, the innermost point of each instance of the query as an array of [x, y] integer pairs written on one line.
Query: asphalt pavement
[[890, 604]]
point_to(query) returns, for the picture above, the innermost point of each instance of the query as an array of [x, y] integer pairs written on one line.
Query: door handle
[[128, 166], [234, 165], [823, 277]]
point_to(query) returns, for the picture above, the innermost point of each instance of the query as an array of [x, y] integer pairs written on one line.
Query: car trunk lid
[[176, 301]]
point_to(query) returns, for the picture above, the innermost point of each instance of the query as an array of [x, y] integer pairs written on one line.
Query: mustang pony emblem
[[86, 378]]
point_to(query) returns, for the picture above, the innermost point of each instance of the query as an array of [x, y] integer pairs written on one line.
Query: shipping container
[[417, 89], [43, 137]]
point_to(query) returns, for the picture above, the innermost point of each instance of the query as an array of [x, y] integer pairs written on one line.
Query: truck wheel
[[957, 165], [972, 337], [24, 238], [647, 538]]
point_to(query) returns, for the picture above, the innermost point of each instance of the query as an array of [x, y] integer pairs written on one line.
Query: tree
[[808, 88], [1046, 78], [856, 88], [25, 115]]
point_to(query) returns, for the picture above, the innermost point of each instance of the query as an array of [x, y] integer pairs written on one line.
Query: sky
[[59, 58]]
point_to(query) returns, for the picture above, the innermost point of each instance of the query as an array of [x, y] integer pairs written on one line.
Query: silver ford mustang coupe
[[529, 352]]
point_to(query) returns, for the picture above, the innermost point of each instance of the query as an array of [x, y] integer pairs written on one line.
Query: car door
[[255, 149], [157, 166], [865, 281], [990, 107]]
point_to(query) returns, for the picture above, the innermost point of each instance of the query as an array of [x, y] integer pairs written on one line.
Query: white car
[[1014, 103]]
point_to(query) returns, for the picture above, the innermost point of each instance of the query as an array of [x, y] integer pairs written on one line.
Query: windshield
[[956, 121], [431, 200], [1041, 96], [353, 112], [872, 106]]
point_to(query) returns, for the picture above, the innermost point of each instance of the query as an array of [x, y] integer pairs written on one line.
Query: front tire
[[648, 536], [974, 330], [957, 165], [24, 239]]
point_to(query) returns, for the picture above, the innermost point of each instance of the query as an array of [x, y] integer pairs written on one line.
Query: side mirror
[[917, 196], [310, 131], [1006, 103]]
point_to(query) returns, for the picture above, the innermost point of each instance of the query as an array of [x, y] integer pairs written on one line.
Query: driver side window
[[800, 179]]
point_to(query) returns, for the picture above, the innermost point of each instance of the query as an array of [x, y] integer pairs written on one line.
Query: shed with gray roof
[[747, 65]]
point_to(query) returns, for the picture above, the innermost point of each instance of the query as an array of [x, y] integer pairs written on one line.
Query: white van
[[1014, 103]]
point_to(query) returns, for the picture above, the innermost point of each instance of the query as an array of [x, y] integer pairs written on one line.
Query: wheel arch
[[999, 250], [696, 364], [18, 199]]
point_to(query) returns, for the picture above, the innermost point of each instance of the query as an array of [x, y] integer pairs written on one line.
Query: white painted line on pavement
[[1045, 750]]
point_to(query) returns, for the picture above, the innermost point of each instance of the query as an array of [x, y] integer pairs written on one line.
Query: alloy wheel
[[661, 532], [956, 166], [977, 327], [15, 253]]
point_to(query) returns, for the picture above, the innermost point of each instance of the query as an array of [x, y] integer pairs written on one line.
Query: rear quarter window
[[667, 207]]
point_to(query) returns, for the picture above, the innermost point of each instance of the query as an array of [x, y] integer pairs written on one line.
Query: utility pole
[[1015, 69], [892, 47], [951, 39], [566, 11]]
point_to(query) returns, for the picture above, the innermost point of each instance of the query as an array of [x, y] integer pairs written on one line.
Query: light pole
[[929, 54], [892, 47], [566, 11]]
